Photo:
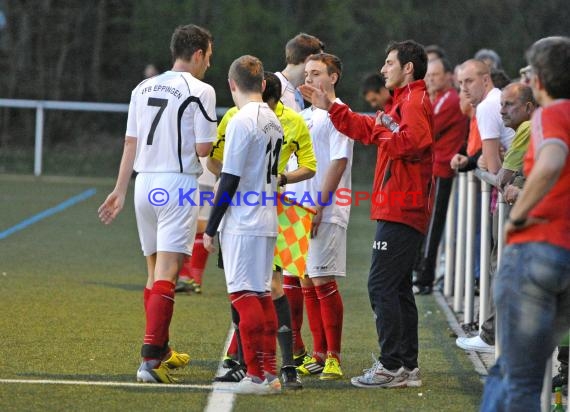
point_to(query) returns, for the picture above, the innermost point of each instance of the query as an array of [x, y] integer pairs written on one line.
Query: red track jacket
[[403, 176]]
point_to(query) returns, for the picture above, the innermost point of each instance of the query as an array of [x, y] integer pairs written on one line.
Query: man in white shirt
[[171, 121], [249, 228], [292, 76], [326, 259], [475, 80]]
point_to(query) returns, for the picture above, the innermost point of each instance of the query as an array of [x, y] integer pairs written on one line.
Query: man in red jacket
[[450, 134], [400, 205]]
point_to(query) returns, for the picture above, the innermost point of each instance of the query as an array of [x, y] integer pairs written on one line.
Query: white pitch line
[[104, 383], [222, 397]]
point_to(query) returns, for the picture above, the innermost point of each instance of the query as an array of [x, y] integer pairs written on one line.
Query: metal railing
[[40, 106], [459, 254]]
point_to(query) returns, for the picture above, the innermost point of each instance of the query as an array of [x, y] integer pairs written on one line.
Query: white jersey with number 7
[[169, 114]]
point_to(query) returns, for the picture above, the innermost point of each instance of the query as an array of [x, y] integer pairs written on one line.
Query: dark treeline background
[[96, 50]]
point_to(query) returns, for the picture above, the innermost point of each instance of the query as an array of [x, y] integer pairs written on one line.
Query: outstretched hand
[[209, 243], [317, 97], [111, 207]]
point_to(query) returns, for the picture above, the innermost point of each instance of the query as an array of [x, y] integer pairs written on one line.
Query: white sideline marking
[[105, 383], [222, 397]]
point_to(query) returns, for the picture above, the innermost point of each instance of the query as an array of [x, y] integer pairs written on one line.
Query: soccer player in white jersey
[[327, 247], [292, 76], [171, 121], [249, 228]]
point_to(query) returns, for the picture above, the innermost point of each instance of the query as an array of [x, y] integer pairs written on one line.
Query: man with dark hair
[[253, 140], [450, 134], [296, 52], [532, 287], [404, 137], [374, 91], [171, 121]]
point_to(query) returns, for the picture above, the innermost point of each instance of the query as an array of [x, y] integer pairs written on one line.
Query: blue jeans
[[532, 297]]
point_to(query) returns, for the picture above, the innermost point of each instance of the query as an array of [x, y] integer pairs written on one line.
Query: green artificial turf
[[71, 304]]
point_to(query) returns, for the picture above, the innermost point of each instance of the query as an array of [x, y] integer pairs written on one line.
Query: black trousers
[[390, 290], [426, 266]]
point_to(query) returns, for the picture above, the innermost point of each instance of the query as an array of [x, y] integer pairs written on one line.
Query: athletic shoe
[[380, 377], [421, 290], [187, 286], [475, 344], [331, 370], [229, 362], [414, 377], [298, 359], [273, 387], [176, 360], [253, 386], [154, 372], [291, 378], [310, 366], [235, 374]]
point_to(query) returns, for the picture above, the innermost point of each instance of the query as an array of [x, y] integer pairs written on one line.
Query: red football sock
[[294, 293], [269, 334], [159, 311], [315, 322], [199, 259], [184, 273], [233, 348], [251, 326], [332, 311], [146, 296]]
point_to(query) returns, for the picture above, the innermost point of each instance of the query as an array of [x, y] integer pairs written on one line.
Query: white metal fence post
[[470, 240], [484, 307], [460, 246], [450, 241], [39, 139]]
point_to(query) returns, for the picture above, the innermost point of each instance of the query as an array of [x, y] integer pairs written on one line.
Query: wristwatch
[[518, 222]]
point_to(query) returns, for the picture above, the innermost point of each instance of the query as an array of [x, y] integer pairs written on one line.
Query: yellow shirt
[[297, 140]]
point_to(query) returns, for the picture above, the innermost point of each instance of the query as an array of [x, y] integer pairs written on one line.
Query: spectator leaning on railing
[[532, 287]]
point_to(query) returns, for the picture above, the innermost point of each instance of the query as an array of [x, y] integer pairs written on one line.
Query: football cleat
[[175, 360], [331, 370], [310, 366], [298, 359], [291, 378], [235, 374], [154, 372]]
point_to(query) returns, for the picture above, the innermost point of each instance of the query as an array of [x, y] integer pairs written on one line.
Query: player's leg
[[245, 277], [294, 292], [175, 229], [284, 331], [313, 364], [150, 264], [330, 246]]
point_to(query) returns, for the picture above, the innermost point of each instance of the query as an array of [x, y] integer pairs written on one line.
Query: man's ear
[[197, 54], [334, 78], [409, 68], [232, 84], [263, 84]]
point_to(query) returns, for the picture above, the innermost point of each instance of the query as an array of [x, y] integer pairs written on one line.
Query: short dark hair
[[437, 50], [410, 51], [302, 46], [525, 94], [550, 58], [499, 78], [333, 63], [247, 72], [186, 40], [372, 82], [272, 87]]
